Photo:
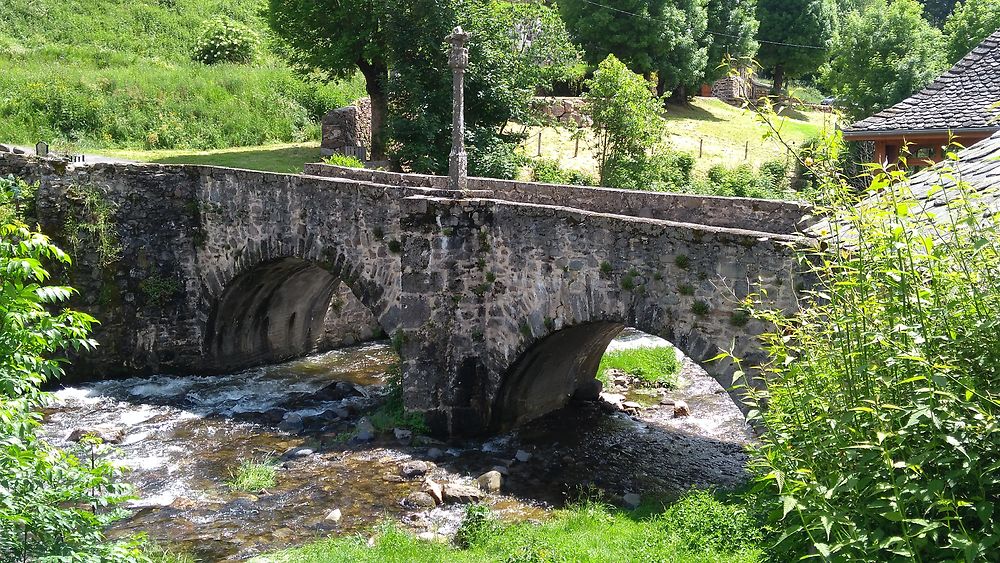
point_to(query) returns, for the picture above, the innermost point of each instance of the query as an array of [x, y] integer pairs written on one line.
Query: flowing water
[[180, 437]]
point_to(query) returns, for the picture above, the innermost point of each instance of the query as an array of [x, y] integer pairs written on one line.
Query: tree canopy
[[732, 26], [661, 37], [968, 25], [339, 39], [805, 27], [883, 55]]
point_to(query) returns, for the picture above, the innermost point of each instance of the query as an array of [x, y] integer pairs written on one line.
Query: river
[[180, 437]]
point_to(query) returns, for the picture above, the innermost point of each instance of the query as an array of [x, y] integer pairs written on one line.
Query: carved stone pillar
[[458, 160]]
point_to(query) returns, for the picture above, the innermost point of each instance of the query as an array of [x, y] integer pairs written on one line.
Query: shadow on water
[[181, 436]]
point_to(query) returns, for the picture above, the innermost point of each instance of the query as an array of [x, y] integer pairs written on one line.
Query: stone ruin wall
[[346, 129]]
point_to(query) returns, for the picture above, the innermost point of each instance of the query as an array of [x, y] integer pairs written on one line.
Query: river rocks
[[589, 390], [336, 391], [490, 481], [403, 435], [420, 499], [632, 500], [522, 456], [434, 489], [681, 409], [614, 399], [292, 423], [632, 407], [364, 431], [393, 478], [295, 453], [415, 468], [434, 454], [335, 515], [106, 434], [464, 494]]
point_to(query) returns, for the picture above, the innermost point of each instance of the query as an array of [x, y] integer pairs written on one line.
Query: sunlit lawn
[[725, 134], [269, 158]]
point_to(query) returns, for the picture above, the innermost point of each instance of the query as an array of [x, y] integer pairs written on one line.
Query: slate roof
[[978, 167], [960, 99]]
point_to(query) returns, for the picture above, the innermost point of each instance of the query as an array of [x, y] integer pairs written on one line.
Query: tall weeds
[[881, 397]]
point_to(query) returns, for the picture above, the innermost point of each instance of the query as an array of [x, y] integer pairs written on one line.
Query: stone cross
[[458, 160]]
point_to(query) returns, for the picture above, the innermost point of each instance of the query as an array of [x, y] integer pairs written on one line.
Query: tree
[[53, 506], [968, 25], [882, 56], [936, 11], [795, 37], [733, 31], [340, 38], [627, 120], [499, 84], [664, 38]]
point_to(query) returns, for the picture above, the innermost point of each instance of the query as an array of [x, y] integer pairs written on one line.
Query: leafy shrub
[[664, 170], [493, 156], [338, 159], [225, 41], [883, 432], [548, 171], [54, 504], [702, 522], [770, 181], [478, 524]]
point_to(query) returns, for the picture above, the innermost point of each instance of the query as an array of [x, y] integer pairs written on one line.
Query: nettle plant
[[880, 400], [225, 41], [54, 504]]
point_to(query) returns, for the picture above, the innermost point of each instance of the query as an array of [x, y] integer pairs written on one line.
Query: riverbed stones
[[334, 515], [681, 409], [420, 499], [415, 468], [490, 481], [632, 500], [364, 431], [403, 435], [434, 489], [464, 494], [106, 434], [434, 454], [522, 456]]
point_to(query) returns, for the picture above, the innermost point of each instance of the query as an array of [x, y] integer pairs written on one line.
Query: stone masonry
[[345, 129], [500, 303]]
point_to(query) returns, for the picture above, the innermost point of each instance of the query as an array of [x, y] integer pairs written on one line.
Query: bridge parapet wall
[[769, 216]]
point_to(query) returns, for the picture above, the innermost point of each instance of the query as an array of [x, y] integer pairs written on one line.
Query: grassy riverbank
[[698, 528]]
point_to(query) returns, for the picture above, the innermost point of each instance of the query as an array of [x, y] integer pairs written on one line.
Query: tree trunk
[[779, 79], [376, 74]]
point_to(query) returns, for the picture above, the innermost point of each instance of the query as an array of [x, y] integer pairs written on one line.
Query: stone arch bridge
[[500, 300]]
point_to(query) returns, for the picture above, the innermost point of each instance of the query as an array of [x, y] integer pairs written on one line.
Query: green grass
[[725, 133], [253, 475], [110, 74], [655, 366], [285, 158], [698, 528]]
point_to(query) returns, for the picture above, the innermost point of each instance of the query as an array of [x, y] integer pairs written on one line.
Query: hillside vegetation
[[120, 74]]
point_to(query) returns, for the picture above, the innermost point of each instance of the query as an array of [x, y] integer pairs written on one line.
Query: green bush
[[883, 436], [664, 170], [770, 181], [253, 475], [548, 171], [225, 41], [54, 504], [338, 159]]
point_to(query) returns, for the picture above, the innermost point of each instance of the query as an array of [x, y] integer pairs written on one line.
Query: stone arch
[[287, 307], [550, 368]]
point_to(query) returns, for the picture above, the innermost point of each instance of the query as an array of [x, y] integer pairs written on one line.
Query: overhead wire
[[717, 33]]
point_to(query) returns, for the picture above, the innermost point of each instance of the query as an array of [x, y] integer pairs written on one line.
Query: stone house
[[961, 102]]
